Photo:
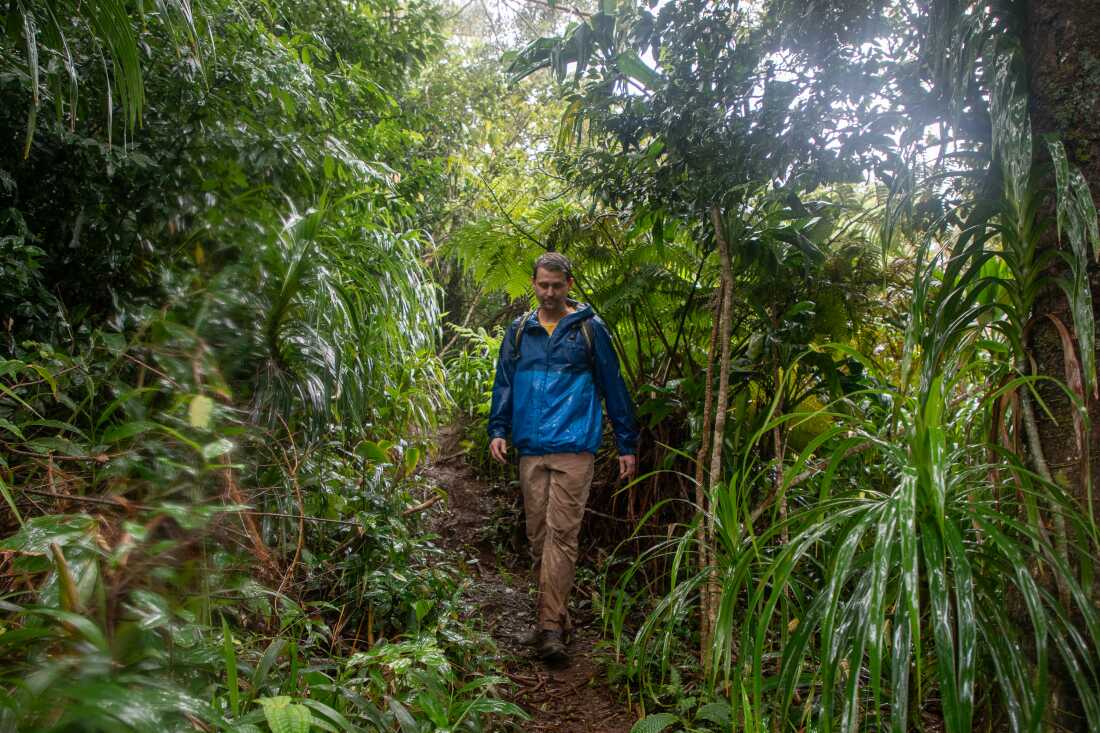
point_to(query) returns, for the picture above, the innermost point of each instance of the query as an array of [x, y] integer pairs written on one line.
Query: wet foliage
[[253, 255]]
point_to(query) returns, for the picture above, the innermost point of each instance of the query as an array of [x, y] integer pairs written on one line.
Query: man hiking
[[555, 365]]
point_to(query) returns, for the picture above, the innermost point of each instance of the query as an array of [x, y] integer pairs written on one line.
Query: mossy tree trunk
[[1062, 45], [1062, 48]]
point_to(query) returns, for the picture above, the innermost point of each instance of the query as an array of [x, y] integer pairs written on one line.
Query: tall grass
[[922, 577]]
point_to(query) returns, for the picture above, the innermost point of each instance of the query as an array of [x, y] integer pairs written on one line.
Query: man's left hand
[[627, 466]]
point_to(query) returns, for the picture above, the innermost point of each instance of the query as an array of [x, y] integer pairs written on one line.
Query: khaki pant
[[555, 490]]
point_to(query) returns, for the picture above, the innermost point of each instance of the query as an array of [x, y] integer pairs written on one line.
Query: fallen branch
[[560, 8], [420, 507], [450, 456], [605, 516], [119, 503], [253, 513]]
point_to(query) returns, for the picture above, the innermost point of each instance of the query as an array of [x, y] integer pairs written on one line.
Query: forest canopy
[[256, 263]]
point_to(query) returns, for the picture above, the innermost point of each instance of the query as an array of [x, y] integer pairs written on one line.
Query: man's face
[[551, 288]]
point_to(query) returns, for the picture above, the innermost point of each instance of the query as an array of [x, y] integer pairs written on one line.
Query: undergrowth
[[160, 572]]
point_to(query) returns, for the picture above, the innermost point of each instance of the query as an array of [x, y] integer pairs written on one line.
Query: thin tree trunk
[[1038, 459], [637, 337], [778, 447], [780, 492], [465, 321], [721, 410], [700, 478]]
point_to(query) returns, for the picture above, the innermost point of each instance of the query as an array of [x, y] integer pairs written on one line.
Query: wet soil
[[481, 525]]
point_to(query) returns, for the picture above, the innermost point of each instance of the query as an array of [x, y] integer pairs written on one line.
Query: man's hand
[[498, 449], [627, 466]]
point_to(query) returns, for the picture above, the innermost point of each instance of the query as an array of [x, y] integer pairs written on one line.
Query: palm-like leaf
[[47, 30], [351, 320]]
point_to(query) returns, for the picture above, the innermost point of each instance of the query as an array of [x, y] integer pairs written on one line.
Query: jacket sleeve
[[500, 414], [609, 380]]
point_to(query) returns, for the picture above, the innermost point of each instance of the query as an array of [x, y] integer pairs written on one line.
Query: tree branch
[[559, 8]]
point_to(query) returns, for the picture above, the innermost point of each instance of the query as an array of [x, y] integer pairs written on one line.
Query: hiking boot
[[531, 638], [552, 647], [534, 637]]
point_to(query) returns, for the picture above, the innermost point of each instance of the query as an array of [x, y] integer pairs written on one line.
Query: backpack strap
[[520, 326], [589, 342]]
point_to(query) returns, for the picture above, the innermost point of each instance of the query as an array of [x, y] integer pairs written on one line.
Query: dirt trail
[[573, 699]]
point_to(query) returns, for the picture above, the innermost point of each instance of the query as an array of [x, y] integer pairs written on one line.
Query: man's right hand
[[498, 449]]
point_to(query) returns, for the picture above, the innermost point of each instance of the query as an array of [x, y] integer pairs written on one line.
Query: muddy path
[[481, 526]]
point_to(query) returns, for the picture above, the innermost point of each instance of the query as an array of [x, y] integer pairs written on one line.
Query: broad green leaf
[[198, 413], [11, 427], [322, 711], [285, 716], [800, 307], [632, 65], [494, 706], [267, 661], [10, 500], [75, 623], [430, 704], [372, 452], [411, 458], [128, 430], [57, 425], [422, 606], [38, 533], [715, 712], [219, 447], [404, 717], [654, 723], [57, 445], [229, 656]]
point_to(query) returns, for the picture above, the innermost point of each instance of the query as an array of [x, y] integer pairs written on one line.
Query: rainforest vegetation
[[256, 257]]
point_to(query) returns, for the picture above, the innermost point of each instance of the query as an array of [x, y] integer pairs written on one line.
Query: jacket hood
[[583, 312]]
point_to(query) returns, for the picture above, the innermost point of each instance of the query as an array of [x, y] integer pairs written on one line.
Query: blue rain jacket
[[548, 399]]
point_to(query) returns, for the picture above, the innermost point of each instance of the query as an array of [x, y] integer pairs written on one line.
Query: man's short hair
[[554, 262]]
